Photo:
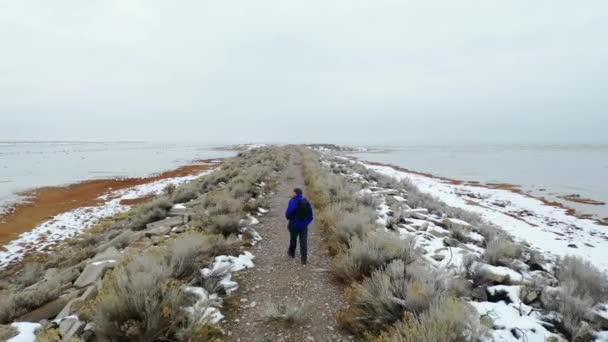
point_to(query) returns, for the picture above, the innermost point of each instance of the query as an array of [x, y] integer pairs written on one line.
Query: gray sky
[[316, 70]]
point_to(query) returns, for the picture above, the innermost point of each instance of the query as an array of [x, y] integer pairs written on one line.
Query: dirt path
[[283, 279]]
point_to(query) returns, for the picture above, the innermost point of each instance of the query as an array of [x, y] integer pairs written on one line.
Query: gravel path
[[282, 279]]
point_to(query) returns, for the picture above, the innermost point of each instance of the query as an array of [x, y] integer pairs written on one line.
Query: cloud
[[280, 70]]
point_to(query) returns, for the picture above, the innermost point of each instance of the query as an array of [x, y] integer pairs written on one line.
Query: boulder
[[180, 229], [438, 257], [70, 327], [158, 231], [93, 272], [180, 211], [109, 254], [48, 310], [600, 316], [124, 238], [168, 222], [65, 275], [550, 297], [451, 242], [88, 294], [479, 294], [411, 212], [138, 246], [500, 275]]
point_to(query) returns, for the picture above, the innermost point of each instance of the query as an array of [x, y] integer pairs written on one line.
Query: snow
[[206, 306], [202, 309], [547, 228], [74, 222], [103, 262], [501, 270], [26, 332], [234, 264], [179, 206], [601, 336], [252, 220], [508, 318], [262, 210]]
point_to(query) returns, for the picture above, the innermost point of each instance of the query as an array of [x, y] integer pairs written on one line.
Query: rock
[[157, 231], [600, 316], [157, 239], [65, 276], [48, 310], [528, 294], [177, 211], [93, 272], [70, 327], [109, 254], [438, 257], [437, 233], [180, 229], [168, 222], [451, 242], [455, 223], [479, 294], [410, 212], [550, 297]]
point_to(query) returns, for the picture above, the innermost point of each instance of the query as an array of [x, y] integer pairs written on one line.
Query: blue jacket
[[290, 213]]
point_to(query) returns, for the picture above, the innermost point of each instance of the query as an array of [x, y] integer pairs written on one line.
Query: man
[[299, 214]]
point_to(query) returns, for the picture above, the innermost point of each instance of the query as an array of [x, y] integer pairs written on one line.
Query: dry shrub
[[220, 203], [138, 302], [501, 251], [225, 224], [149, 212], [188, 253], [6, 332], [582, 278], [382, 299], [32, 272], [355, 224], [19, 303], [573, 310], [447, 320], [290, 312], [365, 256]]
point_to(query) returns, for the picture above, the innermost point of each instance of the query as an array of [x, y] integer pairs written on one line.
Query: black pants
[[294, 234]]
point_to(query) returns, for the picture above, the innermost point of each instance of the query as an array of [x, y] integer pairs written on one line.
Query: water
[[547, 170], [25, 166]]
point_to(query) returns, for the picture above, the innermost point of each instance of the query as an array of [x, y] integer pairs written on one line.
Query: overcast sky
[[339, 71]]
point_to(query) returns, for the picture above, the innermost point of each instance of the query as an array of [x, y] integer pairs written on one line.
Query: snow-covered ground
[[74, 222], [547, 228]]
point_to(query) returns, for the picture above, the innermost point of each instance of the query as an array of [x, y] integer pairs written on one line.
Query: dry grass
[[290, 312], [582, 278], [383, 298], [447, 320], [138, 302], [6, 332], [365, 256], [16, 304], [501, 251]]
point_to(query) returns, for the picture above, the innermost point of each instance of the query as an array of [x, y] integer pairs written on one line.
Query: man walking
[[299, 214]]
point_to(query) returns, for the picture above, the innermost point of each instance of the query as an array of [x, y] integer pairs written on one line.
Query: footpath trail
[[278, 278]]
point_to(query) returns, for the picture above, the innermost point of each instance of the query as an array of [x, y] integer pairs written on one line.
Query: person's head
[[297, 192]]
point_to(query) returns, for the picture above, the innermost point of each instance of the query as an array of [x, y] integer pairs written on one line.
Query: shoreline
[[43, 204], [514, 188]]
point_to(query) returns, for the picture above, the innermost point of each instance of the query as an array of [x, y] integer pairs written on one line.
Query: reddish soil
[[505, 186], [48, 202], [578, 199]]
